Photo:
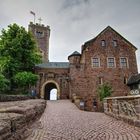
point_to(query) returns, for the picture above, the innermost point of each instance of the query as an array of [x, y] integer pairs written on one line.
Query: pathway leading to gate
[[62, 120]]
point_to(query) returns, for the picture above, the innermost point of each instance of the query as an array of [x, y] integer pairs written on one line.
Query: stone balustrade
[[126, 108]]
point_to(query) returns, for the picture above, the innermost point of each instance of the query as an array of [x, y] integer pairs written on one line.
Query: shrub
[[104, 90]]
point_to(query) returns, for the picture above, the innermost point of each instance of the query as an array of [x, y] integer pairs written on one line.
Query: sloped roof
[[107, 28], [74, 54], [134, 79], [54, 65]]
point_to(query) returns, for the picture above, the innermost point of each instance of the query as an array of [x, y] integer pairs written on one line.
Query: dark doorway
[[48, 91]]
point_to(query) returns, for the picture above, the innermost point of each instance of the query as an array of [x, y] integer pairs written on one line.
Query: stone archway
[[47, 87]]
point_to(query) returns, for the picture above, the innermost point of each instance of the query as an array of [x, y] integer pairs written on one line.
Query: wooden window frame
[[122, 63], [114, 66], [93, 62]]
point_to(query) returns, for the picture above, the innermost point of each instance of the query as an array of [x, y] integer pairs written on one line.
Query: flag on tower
[[33, 13]]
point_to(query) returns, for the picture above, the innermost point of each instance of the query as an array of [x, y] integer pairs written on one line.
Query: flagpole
[[33, 13], [34, 19]]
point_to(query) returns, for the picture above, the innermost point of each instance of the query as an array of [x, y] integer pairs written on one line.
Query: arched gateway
[[47, 87], [83, 74]]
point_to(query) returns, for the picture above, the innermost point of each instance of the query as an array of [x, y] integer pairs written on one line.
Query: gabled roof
[[134, 79], [107, 28], [74, 54], [54, 65]]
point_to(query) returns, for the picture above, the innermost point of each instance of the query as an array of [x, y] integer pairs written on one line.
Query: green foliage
[[104, 90], [18, 53], [19, 47], [25, 79], [4, 61], [4, 83]]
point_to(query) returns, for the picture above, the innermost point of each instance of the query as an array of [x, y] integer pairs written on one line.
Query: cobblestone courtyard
[[62, 120]]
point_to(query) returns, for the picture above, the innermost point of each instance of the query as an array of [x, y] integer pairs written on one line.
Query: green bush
[[104, 91], [25, 80]]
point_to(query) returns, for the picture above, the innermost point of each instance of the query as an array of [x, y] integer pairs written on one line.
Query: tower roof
[[74, 54]]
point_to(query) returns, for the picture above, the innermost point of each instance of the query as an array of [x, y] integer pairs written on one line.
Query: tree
[[25, 80], [3, 83], [104, 90], [20, 49], [4, 61]]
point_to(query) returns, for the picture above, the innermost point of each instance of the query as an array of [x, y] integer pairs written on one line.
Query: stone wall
[[41, 34], [85, 78], [5, 98], [15, 118], [126, 108], [58, 75]]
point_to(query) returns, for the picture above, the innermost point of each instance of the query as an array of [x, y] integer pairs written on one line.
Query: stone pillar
[[105, 106], [115, 107]]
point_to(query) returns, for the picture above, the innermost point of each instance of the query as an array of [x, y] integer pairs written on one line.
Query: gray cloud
[[73, 22]]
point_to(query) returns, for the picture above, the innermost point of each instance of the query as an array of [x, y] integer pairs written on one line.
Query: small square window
[[95, 62], [111, 62], [115, 44], [103, 44]]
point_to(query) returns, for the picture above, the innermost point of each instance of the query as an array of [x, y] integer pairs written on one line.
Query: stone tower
[[41, 34]]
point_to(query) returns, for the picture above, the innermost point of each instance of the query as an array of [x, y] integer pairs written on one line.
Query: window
[[125, 80], [115, 43], [111, 62], [96, 62], [100, 81], [39, 34], [103, 44], [123, 62]]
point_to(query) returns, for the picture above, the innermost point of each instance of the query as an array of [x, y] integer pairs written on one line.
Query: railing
[[126, 108]]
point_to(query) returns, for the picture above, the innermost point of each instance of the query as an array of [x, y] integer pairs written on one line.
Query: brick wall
[[85, 78]]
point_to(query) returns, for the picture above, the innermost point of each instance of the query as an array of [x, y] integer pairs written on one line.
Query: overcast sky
[[74, 22]]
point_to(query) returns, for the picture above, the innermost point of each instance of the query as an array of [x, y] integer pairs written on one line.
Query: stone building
[[108, 57], [41, 35]]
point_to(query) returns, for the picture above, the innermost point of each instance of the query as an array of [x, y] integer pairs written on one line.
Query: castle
[[108, 57]]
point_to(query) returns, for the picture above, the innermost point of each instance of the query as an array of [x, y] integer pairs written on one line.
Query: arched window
[[125, 80]]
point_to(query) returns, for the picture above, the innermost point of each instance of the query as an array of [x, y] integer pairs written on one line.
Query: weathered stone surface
[[137, 107], [16, 116], [5, 98], [125, 108]]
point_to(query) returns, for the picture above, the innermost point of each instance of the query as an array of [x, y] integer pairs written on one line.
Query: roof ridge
[[108, 27], [75, 53]]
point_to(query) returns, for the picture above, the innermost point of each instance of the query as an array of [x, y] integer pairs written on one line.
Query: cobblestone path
[[62, 120]]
